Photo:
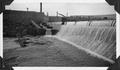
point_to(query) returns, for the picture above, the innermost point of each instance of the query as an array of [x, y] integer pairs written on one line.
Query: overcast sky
[[71, 8]]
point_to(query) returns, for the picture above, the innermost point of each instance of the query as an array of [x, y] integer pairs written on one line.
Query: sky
[[80, 8]]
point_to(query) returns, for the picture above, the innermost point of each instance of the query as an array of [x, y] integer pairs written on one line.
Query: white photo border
[[63, 68]]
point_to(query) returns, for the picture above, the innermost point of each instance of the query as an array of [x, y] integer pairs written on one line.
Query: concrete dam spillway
[[99, 40], [72, 44]]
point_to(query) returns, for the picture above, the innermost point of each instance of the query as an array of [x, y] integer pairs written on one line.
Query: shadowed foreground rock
[[3, 66], [116, 65]]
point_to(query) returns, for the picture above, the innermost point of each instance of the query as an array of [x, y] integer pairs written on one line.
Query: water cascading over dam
[[98, 39]]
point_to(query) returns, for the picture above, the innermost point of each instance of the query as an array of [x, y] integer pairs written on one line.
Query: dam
[[99, 38]]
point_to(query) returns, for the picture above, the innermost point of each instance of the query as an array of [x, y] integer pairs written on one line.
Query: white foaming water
[[98, 39]]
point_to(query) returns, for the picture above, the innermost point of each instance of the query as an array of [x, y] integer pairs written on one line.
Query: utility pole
[[47, 14], [27, 9], [67, 14], [57, 13]]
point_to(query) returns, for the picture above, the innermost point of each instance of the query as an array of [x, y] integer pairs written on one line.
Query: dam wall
[[96, 38]]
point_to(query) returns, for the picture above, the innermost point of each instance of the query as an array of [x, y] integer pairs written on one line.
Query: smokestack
[[41, 7]]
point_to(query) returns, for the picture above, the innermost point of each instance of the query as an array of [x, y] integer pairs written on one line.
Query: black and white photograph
[[46, 34]]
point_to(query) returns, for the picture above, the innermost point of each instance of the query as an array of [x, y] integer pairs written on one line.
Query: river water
[[99, 37]]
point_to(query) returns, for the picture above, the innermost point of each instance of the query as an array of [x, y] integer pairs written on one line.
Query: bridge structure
[[64, 18]]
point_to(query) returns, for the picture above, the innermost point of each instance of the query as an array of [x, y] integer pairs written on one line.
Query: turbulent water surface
[[100, 37]]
